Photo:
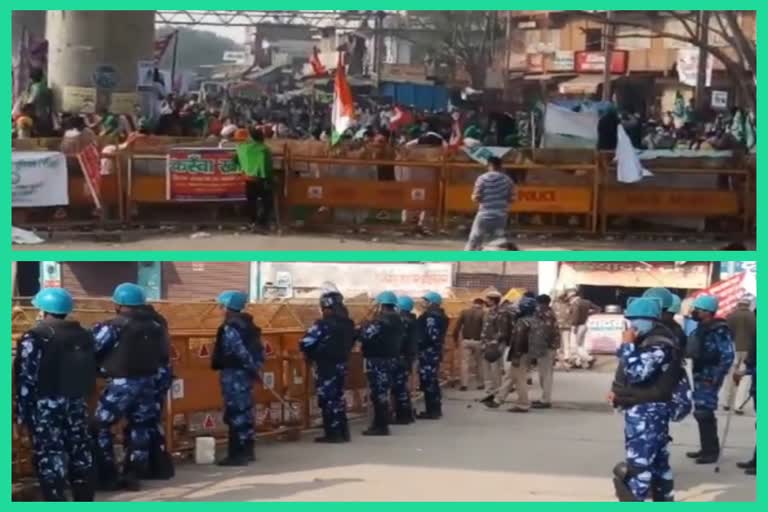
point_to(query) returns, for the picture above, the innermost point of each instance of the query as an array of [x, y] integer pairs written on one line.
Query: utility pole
[[701, 75], [609, 36], [378, 46]]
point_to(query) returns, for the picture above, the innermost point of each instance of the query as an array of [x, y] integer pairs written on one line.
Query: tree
[[197, 48], [741, 66], [466, 38]]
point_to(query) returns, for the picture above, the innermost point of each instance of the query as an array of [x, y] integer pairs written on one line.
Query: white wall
[[547, 276]]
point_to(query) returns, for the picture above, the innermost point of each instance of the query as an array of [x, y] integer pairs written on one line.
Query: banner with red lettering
[[203, 174], [90, 163], [728, 293]]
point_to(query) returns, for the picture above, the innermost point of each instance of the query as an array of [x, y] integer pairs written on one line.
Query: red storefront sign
[[594, 62], [203, 174]]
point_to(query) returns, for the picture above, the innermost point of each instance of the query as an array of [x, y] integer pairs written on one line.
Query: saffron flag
[[343, 106]]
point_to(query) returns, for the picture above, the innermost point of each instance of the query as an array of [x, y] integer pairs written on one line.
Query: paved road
[[299, 242], [473, 454]]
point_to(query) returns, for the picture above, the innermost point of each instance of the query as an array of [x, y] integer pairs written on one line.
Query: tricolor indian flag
[[343, 106]]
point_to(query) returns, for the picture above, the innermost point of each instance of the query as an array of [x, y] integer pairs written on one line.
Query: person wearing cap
[[493, 192], [327, 345], [710, 347], [562, 309], [497, 327], [580, 311], [467, 335], [54, 376], [743, 325], [131, 350], [516, 377], [381, 341], [545, 342], [644, 384], [750, 370], [432, 326], [401, 394], [238, 356], [254, 158]]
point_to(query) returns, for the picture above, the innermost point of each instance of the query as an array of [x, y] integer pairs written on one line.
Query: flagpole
[[173, 61]]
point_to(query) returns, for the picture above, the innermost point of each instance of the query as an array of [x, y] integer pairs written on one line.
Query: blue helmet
[[386, 298], [643, 307], [676, 304], [706, 303], [233, 300], [56, 301], [665, 296], [405, 303], [433, 297], [129, 294]]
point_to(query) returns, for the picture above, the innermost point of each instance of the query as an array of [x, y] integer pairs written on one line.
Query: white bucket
[[205, 450]]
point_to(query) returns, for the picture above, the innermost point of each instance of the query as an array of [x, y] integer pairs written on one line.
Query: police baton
[[731, 403]]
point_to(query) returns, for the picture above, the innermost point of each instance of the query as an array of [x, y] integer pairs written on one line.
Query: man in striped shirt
[[493, 193]]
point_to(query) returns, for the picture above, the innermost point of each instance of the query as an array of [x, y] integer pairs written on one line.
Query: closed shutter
[[501, 283], [96, 278], [187, 280]]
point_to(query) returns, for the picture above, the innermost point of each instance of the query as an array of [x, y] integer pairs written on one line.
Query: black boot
[[236, 455], [380, 425], [53, 491], [82, 491], [248, 450], [749, 464], [433, 411], [404, 416], [344, 429], [710, 446], [130, 480], [700, 419], [106, 473], [161, 465]]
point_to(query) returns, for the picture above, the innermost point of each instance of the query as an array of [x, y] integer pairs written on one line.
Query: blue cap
[[405, 303], [643, 307], [56, 301], [706, 303], [665, 296], [386, 298], [129, 294], [433, 297], [233, 300], [676, 304]]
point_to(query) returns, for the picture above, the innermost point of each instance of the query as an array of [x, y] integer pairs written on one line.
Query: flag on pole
[[162, 44], [317, 67], [343, 106]]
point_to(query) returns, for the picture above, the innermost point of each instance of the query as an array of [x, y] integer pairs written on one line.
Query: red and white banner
[[728, 293], [317, 66], [90, 163]]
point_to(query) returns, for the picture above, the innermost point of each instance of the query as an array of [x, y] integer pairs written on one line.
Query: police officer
[[432, 325], [238, 355], [160, 461], [710, 346], [130, 349], [328, 344], [648, 372], [381, 340], [670, 305], [401, 394], [55, 374], [497, 325]]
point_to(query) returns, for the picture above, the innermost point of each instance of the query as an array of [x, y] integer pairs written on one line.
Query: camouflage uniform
[[712, 351], [58, 426], [561, 308], [381, 341], [400, 390], [646, 425], [327, 344], [431, 328]]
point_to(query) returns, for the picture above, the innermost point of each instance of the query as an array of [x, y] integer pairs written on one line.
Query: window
[[594, 40]]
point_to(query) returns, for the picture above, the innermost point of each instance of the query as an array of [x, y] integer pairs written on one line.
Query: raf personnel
[[55, 374], [327, 345], [381, 341], [401, 394], [238, 355], [431, 328], [130, 349]]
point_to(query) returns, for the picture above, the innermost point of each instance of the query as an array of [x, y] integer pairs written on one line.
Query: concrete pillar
[[33, 21], [83, 42]]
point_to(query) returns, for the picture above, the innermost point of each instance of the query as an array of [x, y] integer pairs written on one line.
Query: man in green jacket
[[254, 158]]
